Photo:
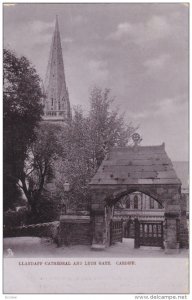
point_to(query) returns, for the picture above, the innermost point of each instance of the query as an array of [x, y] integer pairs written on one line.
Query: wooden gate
[[148, 233], [116, 231], [129, 229]]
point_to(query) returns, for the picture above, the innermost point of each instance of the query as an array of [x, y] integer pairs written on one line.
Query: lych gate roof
[[136, 165]]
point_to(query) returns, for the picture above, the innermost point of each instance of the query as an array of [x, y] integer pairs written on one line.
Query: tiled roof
[[136, 165]]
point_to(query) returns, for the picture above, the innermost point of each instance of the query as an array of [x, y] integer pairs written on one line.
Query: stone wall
[[36, 230], [70, 230], [74, 230]]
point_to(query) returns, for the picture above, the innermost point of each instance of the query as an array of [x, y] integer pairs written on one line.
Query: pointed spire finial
[[57, 99], [57, 24]]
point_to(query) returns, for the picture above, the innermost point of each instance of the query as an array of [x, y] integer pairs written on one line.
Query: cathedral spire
[[56, 105]]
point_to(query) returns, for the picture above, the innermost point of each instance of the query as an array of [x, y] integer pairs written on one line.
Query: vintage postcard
[[95, 148]]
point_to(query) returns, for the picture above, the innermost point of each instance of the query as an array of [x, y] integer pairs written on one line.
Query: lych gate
[[146, 169]]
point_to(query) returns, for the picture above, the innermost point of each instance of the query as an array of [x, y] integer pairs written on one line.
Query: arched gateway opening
[[137, 220], [136, 169]]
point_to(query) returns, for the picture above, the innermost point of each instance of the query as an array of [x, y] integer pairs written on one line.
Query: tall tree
[[75, 164], [22, 111], [86, 143], [107, 125], [39, 167]]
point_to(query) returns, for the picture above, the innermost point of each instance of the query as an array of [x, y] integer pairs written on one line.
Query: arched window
[[128, 202], [136, 202]]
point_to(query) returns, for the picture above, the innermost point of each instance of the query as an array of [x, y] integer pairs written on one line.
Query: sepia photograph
[[95, 148]]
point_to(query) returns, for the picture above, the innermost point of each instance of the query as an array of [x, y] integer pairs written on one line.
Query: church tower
[[56, 102]]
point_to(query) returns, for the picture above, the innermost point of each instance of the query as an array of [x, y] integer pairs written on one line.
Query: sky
[[139, 51]]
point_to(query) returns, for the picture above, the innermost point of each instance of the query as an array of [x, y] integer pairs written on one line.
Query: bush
[[13, 218], [48, 210]]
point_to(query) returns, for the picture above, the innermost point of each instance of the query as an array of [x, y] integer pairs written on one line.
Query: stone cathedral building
[[56, 102]]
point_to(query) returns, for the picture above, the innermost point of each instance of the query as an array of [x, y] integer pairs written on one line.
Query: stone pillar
[[137, 233], [172, 214], [98, 220], [99, 231], [108, 216], [171, 233], [183, 230]]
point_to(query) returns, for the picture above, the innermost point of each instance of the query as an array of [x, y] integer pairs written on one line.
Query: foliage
[[47, 210], [13, 218], [39, 165], [85, 144], [75, 163], [107, 126], [21, 113]]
